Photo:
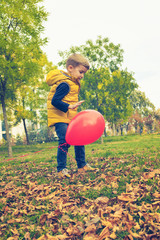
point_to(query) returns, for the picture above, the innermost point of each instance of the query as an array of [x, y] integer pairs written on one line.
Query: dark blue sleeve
[[61, 91]]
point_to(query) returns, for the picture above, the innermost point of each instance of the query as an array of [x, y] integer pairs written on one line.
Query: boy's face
[[77, 72]]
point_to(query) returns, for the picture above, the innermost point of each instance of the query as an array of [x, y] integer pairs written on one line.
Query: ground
[[120, 201]]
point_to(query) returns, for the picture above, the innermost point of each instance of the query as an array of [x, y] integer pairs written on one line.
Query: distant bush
[[42, 135], [3, 142], [19, 140]]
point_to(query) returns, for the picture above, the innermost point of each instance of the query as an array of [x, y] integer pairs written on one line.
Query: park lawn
[[119, 201]]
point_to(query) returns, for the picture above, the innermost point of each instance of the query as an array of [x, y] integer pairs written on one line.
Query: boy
[[62, 106]]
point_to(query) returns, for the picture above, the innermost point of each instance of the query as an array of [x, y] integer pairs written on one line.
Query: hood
[[56, 75]]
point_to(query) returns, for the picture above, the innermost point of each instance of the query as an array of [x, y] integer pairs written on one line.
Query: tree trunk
[[102, 139], [6, 126], [121, 127], [105, 132], [114, 129], [25, 129]]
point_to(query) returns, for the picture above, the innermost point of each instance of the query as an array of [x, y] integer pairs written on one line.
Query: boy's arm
[[61, 91]]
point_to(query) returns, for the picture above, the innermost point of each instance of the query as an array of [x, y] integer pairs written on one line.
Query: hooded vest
[[54, 78]]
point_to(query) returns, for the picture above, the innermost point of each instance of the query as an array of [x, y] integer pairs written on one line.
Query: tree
[[149, 120], [137, 121], [108, 93], [100, 54], [120, 89], [141, 103], [142, 110], [157, 118], [157, 114], [31, 97], [105, 87], [20, 28]]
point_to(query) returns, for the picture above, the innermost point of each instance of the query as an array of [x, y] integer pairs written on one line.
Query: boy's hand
[[73, 106]]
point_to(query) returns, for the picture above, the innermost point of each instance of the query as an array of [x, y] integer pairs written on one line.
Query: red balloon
[[85, 128]]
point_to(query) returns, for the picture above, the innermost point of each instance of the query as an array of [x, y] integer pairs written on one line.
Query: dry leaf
[[137, 227], [102, 200], [127, 197], [27, 236], [113, 236], [48, 237], [13, 238], [91, 228], [43, 219], [135, 235], [156, 194], [105, 233], [90, 236], [14, 231]]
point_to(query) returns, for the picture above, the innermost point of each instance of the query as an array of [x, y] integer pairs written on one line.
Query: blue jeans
[[62, 151]]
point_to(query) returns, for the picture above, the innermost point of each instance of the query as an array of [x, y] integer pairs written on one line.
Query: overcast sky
[[134, 24]]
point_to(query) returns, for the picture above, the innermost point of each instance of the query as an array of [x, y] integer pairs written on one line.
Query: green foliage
[[141, 103], [108, 93], [33, 94], [105, 87], [94, 88], [41, 135], [19, 140], [21, 25], [102, 53]]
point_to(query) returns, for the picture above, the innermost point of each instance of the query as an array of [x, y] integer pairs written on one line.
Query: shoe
[[64, 173], [87, 167]]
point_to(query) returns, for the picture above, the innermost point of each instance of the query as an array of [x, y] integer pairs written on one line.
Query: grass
[[124, 193]]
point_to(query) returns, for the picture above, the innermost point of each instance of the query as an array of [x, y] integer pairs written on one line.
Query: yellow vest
[[54, 78]]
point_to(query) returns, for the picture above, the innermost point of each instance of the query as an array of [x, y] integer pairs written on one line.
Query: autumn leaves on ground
[[120, 201]]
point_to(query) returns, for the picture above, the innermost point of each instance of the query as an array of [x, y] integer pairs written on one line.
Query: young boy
[[62, 106]]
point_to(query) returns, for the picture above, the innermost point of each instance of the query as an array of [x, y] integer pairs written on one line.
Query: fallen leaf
[[134, 234], [104, 234], [113, 236], [92, 221], [27, 236], [137, 227], [43, 219], [14, 231], [102, 200], [91, 228], [127, 197], [90, 237], [13, 238], [156, 194]]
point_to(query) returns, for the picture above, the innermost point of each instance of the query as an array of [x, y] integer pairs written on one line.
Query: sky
[[134, 24]]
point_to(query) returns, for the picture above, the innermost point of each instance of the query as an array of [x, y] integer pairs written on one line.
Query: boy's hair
[[77, 59]]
